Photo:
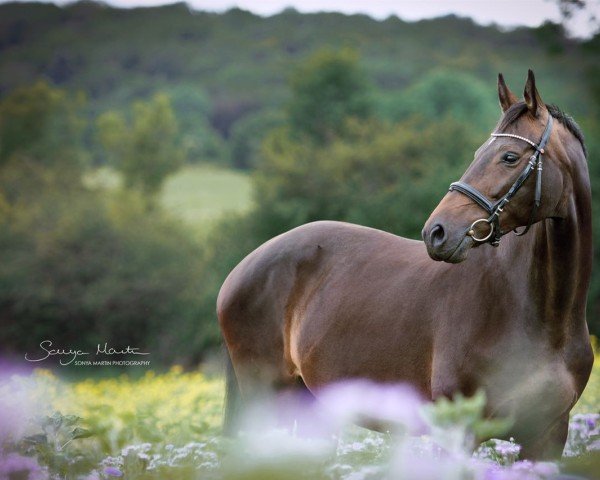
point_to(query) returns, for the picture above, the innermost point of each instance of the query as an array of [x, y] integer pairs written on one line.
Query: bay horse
[[329, 300]]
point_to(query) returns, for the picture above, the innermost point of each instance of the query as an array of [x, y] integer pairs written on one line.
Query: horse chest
[[522, 379]]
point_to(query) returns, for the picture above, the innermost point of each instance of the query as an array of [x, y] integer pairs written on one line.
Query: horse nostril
[[437, 235]]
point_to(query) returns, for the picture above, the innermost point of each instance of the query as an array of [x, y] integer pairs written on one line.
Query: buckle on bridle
[[471, 231]]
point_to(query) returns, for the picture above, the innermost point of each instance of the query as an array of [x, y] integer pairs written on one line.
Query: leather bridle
[[495, 209]]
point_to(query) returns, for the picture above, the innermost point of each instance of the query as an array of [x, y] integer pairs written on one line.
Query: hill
[[227, 66]]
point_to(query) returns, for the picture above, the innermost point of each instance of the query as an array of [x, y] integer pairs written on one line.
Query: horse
[[472, 306]]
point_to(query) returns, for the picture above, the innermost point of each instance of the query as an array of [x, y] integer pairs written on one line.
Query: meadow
[[196, 194], [200, 194], [167, 425]]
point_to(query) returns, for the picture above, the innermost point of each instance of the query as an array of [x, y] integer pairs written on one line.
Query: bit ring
[[471, 231]]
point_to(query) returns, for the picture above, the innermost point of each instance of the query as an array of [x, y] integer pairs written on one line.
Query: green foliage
[[128, 54], [111, 132], [328, 89], [468, 415], [447, 93], [79, 269], [584, 466], [227, 244], [41, 124], [198, 139], [592, 130], [233, 64], [146, 151], [367, 168], [381, 175], [247, 137], [57, 447], [79, 266]]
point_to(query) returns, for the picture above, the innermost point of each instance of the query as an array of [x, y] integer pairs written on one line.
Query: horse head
[[520, 176]]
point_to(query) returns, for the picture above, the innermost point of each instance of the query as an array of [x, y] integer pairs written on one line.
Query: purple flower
[[591, 423], [546, 469], [305, 416], [18, 466], [11, 366], [507, 449], [389, 406], [495, 472], [113, 472]]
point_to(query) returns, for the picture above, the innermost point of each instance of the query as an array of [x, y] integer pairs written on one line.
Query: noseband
[[495, 209]]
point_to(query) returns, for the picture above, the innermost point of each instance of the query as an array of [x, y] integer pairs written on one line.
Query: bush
[[81, 270], [327, 89], [445, 93], [384, 176]]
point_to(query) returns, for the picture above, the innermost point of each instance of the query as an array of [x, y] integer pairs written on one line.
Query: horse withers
[[471, 307]]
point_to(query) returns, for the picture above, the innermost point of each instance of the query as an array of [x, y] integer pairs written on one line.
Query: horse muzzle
[[447, 244]]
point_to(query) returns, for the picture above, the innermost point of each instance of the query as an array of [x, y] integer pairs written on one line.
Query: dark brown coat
[[330, 301]]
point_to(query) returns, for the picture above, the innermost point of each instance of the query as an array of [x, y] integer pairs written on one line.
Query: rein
[[495, 209]]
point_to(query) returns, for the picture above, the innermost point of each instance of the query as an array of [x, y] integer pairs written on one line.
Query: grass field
[[196, 194], [200, 194]]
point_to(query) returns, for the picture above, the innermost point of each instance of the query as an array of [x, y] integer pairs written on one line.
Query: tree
[[248, 134], [146, 151], [198, 139], [44, 124], [447, 93], [380, 175], [41, 143], [328, 89]]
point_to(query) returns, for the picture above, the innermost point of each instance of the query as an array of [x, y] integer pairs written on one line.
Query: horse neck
[[556, 261]]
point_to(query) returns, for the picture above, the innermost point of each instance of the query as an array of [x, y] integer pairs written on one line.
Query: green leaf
[[79, 432], [70, 420], [53, 423], [199, 428]]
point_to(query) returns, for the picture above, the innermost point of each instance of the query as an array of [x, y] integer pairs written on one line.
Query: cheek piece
[[494, 209]]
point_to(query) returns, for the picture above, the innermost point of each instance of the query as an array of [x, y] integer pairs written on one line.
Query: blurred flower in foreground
[[584, 434], [113, 472], [387, 407], [524, 470], [459, 424], [15, 466], [286, 437], [16, 406], [276, 454]]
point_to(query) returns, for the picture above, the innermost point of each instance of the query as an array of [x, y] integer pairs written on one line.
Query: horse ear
[[506, 97], [532, 97]]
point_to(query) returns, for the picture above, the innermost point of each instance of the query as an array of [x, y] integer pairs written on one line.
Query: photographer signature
[[72, 355]]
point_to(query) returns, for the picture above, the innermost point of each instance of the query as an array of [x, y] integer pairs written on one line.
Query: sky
[[507, 13]]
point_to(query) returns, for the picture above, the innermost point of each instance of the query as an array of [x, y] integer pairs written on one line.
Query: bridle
[[495, 209]]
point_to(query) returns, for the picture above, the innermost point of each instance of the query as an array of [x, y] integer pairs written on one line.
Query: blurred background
[[145, 151]]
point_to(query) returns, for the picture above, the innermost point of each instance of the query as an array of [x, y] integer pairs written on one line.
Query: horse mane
[[518, 109]]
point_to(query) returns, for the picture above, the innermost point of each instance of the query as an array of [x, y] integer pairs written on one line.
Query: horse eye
[[510, 157]]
